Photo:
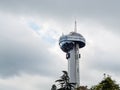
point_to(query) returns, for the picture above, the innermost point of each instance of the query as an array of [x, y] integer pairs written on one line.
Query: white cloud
[[25, 82], [101, 54], [38, 55]]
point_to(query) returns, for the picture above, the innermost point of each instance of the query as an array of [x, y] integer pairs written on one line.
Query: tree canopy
[[64, 83], [106, 84]]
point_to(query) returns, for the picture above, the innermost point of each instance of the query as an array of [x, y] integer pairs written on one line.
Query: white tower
[[70, 44]]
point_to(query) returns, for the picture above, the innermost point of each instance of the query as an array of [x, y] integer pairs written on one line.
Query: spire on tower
[[75, 29]]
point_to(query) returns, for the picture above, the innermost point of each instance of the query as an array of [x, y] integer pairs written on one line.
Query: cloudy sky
[[30, 57]]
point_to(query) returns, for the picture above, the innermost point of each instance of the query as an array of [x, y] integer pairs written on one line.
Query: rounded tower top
[[67, 42]]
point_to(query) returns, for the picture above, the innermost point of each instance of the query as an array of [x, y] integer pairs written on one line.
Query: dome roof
[[72, 37]]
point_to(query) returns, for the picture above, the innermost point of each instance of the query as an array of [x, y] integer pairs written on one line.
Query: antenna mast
[[75, 29]]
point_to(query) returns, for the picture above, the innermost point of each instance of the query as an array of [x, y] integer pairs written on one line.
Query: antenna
[[75, 29]]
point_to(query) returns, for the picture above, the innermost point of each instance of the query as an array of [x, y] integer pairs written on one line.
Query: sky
[[30, 56]]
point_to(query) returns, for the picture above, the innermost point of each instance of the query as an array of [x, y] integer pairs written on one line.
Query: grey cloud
[[18, 57], [106, 12], [84, 8], [105, 61], [20, 52]]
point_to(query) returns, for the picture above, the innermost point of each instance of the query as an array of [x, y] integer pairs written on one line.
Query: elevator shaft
[[73, 65]]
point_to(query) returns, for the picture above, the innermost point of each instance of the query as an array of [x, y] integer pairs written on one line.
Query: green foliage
[[106, 84], [64, 82]]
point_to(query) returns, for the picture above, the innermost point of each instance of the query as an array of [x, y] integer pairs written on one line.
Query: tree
[[64, 82], [106, 84]]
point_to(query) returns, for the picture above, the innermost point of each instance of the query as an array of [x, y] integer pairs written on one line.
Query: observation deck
[[67, 42]]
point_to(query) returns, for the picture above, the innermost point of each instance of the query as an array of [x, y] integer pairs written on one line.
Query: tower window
[[67, 55]]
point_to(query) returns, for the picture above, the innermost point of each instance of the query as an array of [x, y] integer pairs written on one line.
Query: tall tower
[[70, 44]]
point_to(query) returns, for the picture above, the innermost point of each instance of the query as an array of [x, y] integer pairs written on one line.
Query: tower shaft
[[73, 65]]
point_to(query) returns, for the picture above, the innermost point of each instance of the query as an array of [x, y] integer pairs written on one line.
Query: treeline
[[106, 84]]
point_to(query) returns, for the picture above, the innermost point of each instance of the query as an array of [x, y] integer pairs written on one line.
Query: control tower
[[70, 44]]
